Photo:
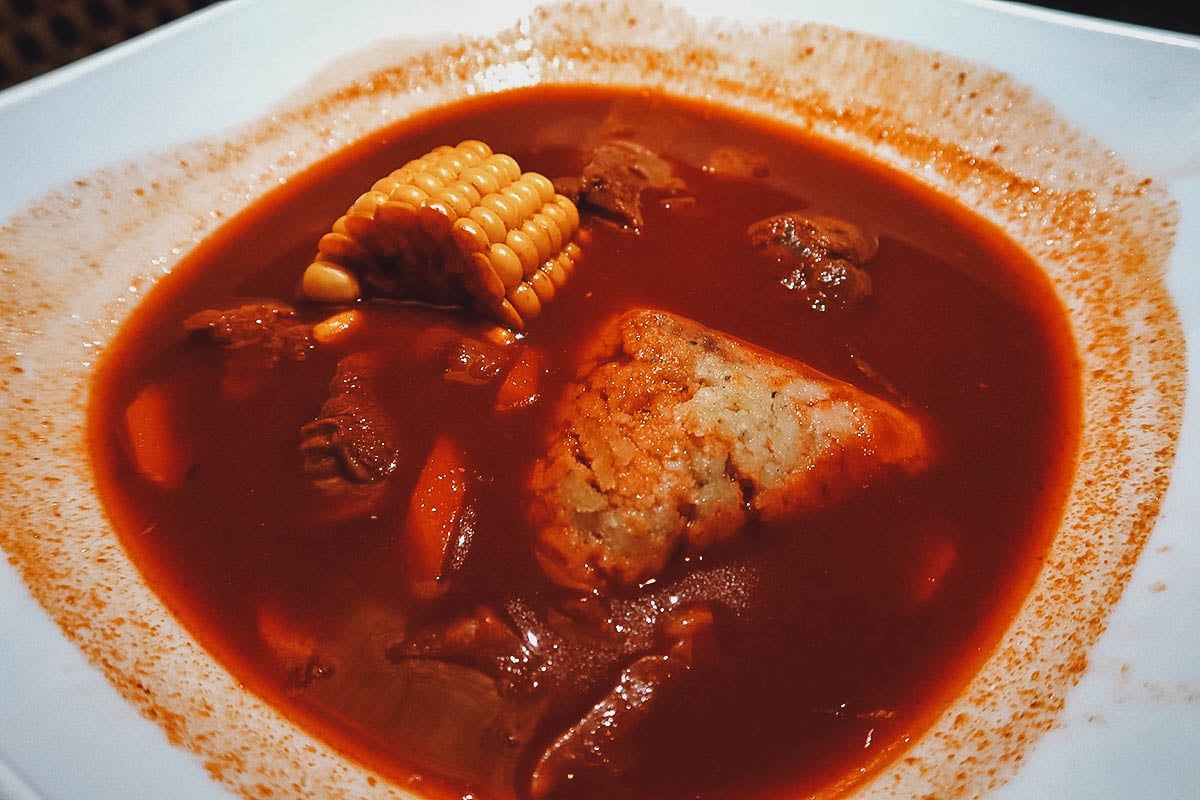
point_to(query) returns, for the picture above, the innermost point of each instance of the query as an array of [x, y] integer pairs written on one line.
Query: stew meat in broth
[[735, 514]]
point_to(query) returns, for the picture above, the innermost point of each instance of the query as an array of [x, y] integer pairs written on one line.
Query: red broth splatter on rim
[[1101, 234]]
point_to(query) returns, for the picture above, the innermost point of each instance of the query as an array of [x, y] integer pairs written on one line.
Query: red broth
[[838, 637]]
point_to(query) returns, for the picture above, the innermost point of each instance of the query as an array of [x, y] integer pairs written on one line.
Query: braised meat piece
[[355, 438], [257, 337], [487, 655], [675, 435], [485, 640], [474, 362], [549, 661], [602, 746], [571, 648], [358, 435], [822, 257], [732, 161], [449, 719], [272, 326], [615, 177]]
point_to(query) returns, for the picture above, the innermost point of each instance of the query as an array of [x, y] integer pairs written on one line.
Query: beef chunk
[[675, 435], [602, 746], [487, 641], [736, 162], [271, 326], [363, 426], [257, 338], [447, 718], [822, 257], [569, 650], [553, 665], [355, 438], [474, 362], [617, 174]]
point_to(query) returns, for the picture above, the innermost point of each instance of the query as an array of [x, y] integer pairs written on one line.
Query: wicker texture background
[[38, 35]]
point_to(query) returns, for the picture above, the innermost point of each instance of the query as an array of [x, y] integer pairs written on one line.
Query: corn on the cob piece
[[458, 226]]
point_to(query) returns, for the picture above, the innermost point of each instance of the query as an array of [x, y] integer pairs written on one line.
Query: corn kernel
[[543, 287], [330, 283], [486, 276], [409, 195], [503, 207], [536, 229], [469, 235], [499, 335], [427, 183], [339, 246], [477, 147], [332, 328], [520, 243], [506, 264], [365, 204], [506, 162], [543, 185], [490, 222], [484, 181], [525, 301], [558, 276], [569, 209]]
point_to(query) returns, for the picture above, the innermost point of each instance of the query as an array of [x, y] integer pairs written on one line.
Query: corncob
[[458, 226]]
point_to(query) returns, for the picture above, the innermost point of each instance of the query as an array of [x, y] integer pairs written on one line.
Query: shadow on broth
[[749, 435]]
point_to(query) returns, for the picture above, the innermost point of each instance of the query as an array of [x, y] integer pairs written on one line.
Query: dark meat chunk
[[602, 746], [822, 257], [736, 162], [447, 718], [566, 650], [551, 663], [271, 326], [474, 362], [607, 659], [257, 336], [354, 439], [614, 179], [487, 641], [361, 429]]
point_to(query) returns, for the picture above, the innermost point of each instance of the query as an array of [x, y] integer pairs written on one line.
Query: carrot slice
[[935, 563], [520, 387], [435, 513], [285, 638], [152, 437]]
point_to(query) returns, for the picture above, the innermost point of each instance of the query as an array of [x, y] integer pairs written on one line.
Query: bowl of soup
[[612, 401]]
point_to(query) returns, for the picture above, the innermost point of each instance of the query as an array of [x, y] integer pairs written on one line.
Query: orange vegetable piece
[[435, 513], [940, 556], [283, 636], [520, 387], [152, 436]]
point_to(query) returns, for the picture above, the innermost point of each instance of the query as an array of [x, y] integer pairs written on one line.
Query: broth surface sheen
[[847, 630]]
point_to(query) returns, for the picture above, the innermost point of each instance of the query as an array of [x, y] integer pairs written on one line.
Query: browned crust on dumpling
[[674, 435]]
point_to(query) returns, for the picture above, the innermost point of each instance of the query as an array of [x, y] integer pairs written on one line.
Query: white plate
[[1129, 726]]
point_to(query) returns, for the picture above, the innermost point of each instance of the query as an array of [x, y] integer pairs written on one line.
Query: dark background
[[39, 35], [1176, 15]]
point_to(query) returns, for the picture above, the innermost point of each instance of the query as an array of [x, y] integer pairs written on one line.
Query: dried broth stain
[[1101, 232]]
